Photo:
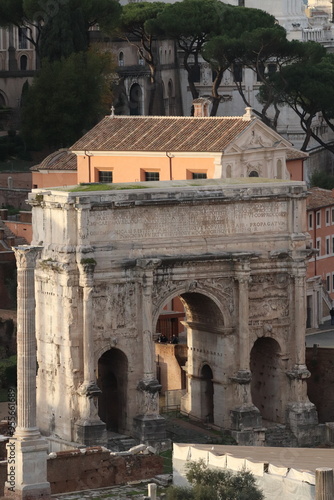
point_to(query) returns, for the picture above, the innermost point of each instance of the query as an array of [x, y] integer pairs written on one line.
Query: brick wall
[[75, 471], [320, 362]]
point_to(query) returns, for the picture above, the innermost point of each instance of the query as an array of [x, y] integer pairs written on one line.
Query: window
[[253, 173], [241, 3], [121, 59], [310, 220], [328, 282], [328, 247], [23, 42], [105, 176], [332, 244], [237, 72], [332, 215], [272, 68], [260, 72], [195, 73], [327, 217], [318, 245], [152, 176], [318, 218], [23, 63], [332, 281], [198, 175]]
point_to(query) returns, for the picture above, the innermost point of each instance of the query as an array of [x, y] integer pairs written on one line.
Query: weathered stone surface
[[235, 254]]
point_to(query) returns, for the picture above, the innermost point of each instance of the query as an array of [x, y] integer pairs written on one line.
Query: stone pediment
[[258, 136]]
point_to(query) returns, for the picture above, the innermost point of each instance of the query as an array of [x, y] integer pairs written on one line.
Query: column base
[[27, 469], [149, 429], [245, 417], [303, 422], [31, 492], [91, 433]]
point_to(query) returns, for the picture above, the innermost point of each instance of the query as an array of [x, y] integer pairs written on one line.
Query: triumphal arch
[[235, 252]]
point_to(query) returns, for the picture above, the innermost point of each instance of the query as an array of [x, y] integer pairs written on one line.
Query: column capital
[[26, 256], [148, 264], [86, 269]]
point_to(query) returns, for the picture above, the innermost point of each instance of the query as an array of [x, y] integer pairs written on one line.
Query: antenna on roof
[[112, 114]]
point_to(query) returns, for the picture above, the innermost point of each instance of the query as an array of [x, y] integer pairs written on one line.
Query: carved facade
[[235, 253]]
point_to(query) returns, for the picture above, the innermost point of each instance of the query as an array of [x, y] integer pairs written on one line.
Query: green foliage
[[67, 98], [62, 22], [8, 372], [214, 484], [11, 146], [322, 179], [64, 33]]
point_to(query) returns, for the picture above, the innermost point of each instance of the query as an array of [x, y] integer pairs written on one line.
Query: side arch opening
[[112, 380]]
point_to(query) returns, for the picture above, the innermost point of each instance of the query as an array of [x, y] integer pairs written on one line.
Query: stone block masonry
[[93, 468]]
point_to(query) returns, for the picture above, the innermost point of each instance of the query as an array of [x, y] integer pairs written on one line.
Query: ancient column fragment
[[27, 451]]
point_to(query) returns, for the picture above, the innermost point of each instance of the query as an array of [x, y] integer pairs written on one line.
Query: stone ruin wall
[[212, 245]]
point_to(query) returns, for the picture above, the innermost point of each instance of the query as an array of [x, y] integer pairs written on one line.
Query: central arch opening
[[112, 380], [185, 368]]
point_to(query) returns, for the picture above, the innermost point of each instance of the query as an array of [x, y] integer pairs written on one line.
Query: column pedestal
[[247, 415], [301, 414], [150, 428], [27, 470]]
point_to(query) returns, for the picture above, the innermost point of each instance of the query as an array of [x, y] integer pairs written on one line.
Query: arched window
[[253, 173], [2, 101], [23, 63], [135, 100], [121, 59]]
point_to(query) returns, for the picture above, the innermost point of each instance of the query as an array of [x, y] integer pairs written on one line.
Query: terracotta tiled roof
[[319, 197], [153, 133], [295, 154], [62, 159]]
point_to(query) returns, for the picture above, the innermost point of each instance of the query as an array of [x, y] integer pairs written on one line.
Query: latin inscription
[[188, 221]]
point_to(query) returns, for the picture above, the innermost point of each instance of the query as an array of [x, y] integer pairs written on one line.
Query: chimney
[[201, 107]]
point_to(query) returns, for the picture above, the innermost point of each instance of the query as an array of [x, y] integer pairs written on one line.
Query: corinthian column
[[90, 429], [301, 413], [26, 447], [26, 342], [149, 427], [242, 276], [244, 414], [300, 314]]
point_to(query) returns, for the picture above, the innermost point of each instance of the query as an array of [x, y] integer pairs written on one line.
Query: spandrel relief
[[269, 309], [116, 309]]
